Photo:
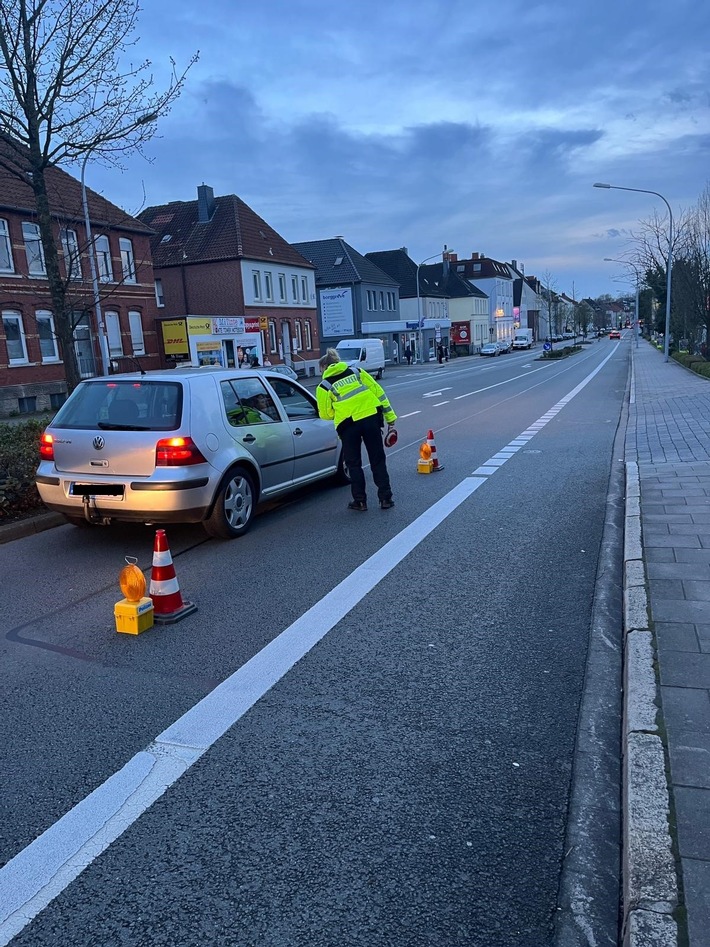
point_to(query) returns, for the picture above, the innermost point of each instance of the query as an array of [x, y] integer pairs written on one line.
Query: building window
[[128, 263], [135, 322], [282, 287], [299, 336], [382, 299], [159, 298], [113, 334], [70, 247], [103, 259], [47, 337], [391, 302], [14, 338], [371, 300], [304, 289], [269, 286], [272, 336], [309, 334], [256, 282], [6, 264], [33, 249], [294, 289]]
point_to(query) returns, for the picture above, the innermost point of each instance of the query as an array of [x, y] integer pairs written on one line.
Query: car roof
[[170, 374]]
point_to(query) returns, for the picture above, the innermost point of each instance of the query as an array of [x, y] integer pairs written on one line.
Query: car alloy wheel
[[233, 509]]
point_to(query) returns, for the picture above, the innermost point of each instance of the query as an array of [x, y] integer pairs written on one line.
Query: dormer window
[[338, 261]]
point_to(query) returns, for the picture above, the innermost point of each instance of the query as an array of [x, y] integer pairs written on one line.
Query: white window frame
[[282, 288], [304, 289], [159, 297], [299, 336], [44, 315], [135, 321], [72, 257], [268, 286], [382, 300], [6, 247], [256, 283], [273, 344], [309, 335], [102, 249], [112, 321], [128, 260], [11, 315], [35, 257], [294, 289]]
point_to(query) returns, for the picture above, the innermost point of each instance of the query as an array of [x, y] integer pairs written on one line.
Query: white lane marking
[[42, 870], [410, 415], [435, 394], [439, 403]]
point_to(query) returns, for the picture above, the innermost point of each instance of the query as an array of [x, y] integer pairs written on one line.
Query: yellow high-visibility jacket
[[351, 393]]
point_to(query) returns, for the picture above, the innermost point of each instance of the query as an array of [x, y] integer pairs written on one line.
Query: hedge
[[19, 456]]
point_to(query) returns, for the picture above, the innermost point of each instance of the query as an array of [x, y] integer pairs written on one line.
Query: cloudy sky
[[418, 124]]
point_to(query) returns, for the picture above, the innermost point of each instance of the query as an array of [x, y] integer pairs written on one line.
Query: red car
[[614, 334]]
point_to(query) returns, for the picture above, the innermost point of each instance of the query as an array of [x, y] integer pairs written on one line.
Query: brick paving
[[668, 436]]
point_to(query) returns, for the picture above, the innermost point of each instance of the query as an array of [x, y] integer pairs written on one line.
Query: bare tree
[[66, 94], [692, 278]]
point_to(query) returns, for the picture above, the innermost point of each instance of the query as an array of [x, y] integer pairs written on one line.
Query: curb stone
[[650, 886], [29, 526]]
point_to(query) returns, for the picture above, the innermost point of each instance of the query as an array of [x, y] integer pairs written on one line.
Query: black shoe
[[386, 504], [359, 505]]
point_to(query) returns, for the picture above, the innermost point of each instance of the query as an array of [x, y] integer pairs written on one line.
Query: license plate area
[[97, 490]]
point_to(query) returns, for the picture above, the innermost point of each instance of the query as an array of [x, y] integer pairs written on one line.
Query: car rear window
[[124, 405]]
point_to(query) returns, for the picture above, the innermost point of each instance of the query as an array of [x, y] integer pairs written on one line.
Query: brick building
[[230, 287], [31, 363]]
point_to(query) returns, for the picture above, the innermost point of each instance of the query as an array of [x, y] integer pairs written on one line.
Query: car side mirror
[[363, 357]]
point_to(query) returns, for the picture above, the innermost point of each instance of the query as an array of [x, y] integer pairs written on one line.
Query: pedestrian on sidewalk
[[359, 408], [408, 355]]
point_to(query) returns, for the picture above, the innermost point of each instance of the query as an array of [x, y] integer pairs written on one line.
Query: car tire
[[380, 373], [342, 477], [234, 506]]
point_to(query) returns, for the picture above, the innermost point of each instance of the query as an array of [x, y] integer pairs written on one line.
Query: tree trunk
[[63, 322]]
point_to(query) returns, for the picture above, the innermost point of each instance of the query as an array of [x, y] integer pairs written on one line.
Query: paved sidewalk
[[667, 625]]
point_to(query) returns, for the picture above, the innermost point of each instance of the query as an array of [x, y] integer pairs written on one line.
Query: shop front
[[231, 342]]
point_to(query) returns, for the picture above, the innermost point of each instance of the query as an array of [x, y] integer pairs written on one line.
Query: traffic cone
[[432, 445], [164, 590]]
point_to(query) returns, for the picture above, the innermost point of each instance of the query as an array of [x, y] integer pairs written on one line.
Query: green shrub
[[701, 368], [19, 456]]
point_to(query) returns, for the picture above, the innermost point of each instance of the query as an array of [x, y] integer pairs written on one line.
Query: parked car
[[504, 346], [284, 370], [490, 348], [184, 446], [615, 334]]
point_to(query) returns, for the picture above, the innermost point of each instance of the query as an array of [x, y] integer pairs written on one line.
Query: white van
[[365, 353]]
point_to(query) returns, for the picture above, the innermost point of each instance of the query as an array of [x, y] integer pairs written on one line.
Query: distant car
[[490, 348], [283, 370], [504, 346], [615, 334], [184, 446]]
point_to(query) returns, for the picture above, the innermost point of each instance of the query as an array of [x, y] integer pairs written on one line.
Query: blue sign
[[547, 346], [412, 325]]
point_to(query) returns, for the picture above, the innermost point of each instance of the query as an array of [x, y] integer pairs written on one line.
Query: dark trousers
[[366, 431]]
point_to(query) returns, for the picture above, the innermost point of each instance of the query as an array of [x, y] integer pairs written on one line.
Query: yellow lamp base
[[425, 466], [132, 618]]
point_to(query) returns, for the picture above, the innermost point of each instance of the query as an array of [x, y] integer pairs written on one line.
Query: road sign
[[547, 346]]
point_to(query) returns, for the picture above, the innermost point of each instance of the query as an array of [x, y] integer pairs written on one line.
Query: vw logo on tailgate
[[99, 443]]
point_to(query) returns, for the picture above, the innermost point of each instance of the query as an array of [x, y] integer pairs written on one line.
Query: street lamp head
[[147, 119], [601, 185]]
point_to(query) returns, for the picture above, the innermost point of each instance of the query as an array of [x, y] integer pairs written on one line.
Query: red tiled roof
[[233, 232], [64, 193]]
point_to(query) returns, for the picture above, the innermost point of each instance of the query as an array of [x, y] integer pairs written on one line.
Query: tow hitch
[[92, 514]]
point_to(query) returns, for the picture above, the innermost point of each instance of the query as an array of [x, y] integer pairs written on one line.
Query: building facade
[[230, 288], [113, 325]]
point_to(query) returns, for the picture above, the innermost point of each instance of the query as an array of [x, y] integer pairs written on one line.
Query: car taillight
[[177, 452], [46, 447]]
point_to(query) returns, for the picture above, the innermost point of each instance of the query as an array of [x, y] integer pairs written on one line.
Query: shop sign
[[228, 325], [175, 337], [199, 326], [461, 333]]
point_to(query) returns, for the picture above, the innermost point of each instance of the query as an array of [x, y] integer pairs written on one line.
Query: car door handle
[[248, 438], [297, 431]]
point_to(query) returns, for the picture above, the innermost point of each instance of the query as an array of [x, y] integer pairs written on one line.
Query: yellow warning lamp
[[134, 613], [426, 464], [132, 581]]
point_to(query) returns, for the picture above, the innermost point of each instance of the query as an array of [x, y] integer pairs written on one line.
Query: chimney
[[205, 203], [474, 256], [514, 264], [453, 257]]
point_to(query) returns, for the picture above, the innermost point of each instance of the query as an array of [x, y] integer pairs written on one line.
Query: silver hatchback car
[[193, 445]]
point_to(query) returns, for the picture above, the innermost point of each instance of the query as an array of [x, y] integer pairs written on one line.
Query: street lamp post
[[669, 264], [608, 259], [103, 341], [420, 321]]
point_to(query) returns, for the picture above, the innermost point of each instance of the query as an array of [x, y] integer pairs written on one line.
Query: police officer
[[358, 406]]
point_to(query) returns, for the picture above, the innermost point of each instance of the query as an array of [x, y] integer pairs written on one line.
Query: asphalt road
[[402, 775]]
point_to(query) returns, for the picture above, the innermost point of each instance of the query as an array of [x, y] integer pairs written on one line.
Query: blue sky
[[482, 127]]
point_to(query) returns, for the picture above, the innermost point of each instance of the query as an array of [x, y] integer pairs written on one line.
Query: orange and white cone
[[164, 590], [432, 445]]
